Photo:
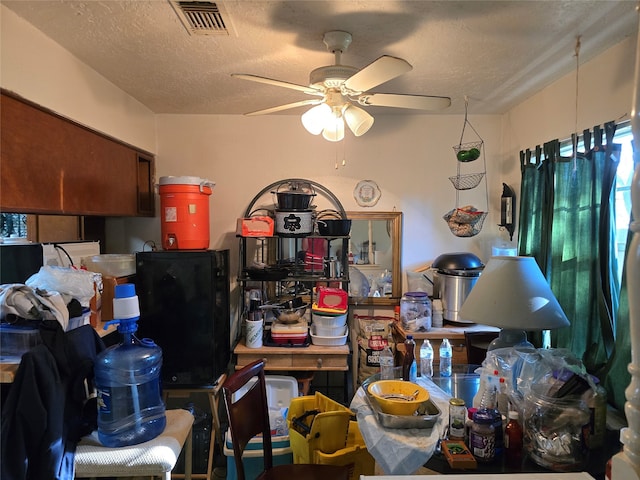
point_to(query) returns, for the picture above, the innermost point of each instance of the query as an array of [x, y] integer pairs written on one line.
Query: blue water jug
[[127, 375]]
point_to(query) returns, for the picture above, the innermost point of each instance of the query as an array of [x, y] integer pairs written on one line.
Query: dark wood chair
[[249, 416], [477, 344]]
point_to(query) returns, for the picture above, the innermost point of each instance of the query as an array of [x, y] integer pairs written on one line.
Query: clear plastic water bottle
[[445, 358], [426, 359], [386, 363], [127, 375]]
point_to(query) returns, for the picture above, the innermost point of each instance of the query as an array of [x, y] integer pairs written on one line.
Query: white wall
[[605, 91], [409, 157], [40, 70]]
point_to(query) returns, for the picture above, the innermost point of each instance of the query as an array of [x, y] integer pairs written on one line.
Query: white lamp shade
[[334, 129], [512, 293], [358, 120], [315, 119]]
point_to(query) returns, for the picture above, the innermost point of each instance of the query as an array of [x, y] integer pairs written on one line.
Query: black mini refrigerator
[[184, 308]]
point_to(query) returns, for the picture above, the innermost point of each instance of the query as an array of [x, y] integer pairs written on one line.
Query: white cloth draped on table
[[401, 451]]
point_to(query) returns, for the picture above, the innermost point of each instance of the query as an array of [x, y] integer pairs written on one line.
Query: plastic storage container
[[127, 376], [328, 331], [294, 334], [554, 430], [253, 456], [326, 320], [184, 212], [329, 341], [415, 311], [114, 265], [16, 340]]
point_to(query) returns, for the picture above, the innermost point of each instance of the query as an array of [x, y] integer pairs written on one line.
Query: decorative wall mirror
[[375, 245]]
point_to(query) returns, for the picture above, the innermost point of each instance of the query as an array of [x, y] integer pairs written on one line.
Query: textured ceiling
[[497, 53]]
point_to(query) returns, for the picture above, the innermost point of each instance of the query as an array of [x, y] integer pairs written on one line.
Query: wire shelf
[[466, 147], [467, 181], [463, 223]]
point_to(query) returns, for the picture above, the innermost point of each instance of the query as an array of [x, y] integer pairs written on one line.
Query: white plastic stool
[[157, 457]]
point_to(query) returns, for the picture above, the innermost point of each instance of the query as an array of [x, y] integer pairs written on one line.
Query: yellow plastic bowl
[[389, 395]]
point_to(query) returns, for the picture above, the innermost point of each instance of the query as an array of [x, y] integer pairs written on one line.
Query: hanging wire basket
[[465, 221], [466, 181], [468, 152]]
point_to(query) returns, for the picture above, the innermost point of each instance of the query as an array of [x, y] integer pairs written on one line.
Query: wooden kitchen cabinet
[[51, 165]]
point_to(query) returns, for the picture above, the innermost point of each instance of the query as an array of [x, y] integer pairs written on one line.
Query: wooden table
[[314, 358], [311, 358]]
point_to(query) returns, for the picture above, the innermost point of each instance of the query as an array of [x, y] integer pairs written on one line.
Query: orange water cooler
[[184, 210]]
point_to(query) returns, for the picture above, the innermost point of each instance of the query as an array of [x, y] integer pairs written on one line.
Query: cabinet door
[[52, 165]]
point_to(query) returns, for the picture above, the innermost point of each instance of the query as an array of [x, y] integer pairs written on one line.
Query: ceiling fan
[[339, 88]]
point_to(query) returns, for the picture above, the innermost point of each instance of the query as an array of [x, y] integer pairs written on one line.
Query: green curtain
[[567, 222], [536, 211]]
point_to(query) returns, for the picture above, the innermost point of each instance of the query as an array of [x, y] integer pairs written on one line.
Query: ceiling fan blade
[[377, 72], [417, 102], [277, 83], [287, 106]]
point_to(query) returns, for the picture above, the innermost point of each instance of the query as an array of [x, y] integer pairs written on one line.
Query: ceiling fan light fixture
[[334, 129], [358, 120], [315, 119]]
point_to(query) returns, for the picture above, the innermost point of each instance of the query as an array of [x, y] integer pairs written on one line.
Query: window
[[13, 225], [624, 176]]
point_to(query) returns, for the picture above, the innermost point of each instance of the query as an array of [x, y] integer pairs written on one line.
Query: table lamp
[[513, 294]]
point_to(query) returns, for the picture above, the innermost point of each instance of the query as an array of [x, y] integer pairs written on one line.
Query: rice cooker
[[294, 222], [454, 275]]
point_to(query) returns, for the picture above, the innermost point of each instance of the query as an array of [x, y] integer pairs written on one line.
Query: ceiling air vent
[[201, 18]]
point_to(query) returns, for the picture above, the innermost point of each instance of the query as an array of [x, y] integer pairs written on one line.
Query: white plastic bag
[[69, 282]]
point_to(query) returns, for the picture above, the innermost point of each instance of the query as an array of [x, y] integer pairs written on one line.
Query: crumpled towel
[[33, 304]]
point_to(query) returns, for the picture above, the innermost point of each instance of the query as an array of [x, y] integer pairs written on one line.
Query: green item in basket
[[474, 154]]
